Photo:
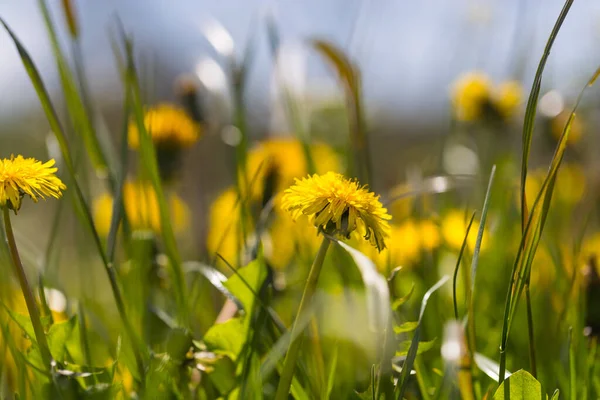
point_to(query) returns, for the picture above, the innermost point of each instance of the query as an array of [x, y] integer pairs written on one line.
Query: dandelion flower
[[454, 228], [338, 206], [470, 94], [170, 128], [508, 97], [141, 207], [27, 176]]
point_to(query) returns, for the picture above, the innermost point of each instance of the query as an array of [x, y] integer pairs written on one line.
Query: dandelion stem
[[32, 307], [289, 363]]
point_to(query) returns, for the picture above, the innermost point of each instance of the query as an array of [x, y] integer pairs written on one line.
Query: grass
[[246, 316]]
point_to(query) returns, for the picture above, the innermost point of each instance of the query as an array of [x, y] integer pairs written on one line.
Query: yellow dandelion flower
[[224, 233], [557, 125], [27, 176], [338, 206], [508, 96], [430, 235], [170, 127], [570, 185], [284, 159], [405, 246], [470, 94], [141, 207], [454, 227]]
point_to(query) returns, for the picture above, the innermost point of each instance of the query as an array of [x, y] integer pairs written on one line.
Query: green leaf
[[58, 336], [422, 348], [408, 326], [226, 338], [22, 320], [246, 282], [520, 386], [399, 302]]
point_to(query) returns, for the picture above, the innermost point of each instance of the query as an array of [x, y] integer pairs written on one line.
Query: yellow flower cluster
[[141, 207], [474, 95], [27, 176], [170, 127]]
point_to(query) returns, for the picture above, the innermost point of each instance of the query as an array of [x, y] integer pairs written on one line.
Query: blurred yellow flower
[[338, 206], [558, 124], [454, 228], [27, 176], [470, 93], [283, 160], [141, 207], [507, 98], [290, 239], [474, 95], [224, 233], [570, 185], [429, 233], [170, 127]]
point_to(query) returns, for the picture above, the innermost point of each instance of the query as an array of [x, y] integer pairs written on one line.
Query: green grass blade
[[412, 351], [150, 165], [457, 266], [77, 110], [531, 109]]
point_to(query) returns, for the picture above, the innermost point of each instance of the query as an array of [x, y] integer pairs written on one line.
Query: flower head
[[508, 96], [338, 206], [470, 93], [141, 207], [27, 176], [170, 127]]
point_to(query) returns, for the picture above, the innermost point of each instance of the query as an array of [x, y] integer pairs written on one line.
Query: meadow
[[476, 277]]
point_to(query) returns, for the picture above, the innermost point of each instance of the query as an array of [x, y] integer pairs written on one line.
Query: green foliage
[[520, 386]]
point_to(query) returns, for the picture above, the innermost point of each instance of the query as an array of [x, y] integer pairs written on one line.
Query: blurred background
[[409, 55]]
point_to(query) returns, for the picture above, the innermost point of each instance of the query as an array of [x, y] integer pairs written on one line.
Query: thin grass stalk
[[457, 266], [32, 307], [530, 331], [289, 364]]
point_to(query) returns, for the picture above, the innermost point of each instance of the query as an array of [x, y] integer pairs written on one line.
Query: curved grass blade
[[460, 254], [412, 351], [531, 109]]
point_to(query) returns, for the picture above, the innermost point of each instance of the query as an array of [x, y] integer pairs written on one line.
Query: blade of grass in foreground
[[150, 165], [471, 290], [531, 109], [458, 261], [75, 104], [412, 351], [80, 202]]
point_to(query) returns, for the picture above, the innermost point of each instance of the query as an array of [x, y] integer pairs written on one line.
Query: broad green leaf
[[408, 326], [423, 347], [245, 283], [226, 338], [22, 321], [58, 336], [376, 288], [520, 386]]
